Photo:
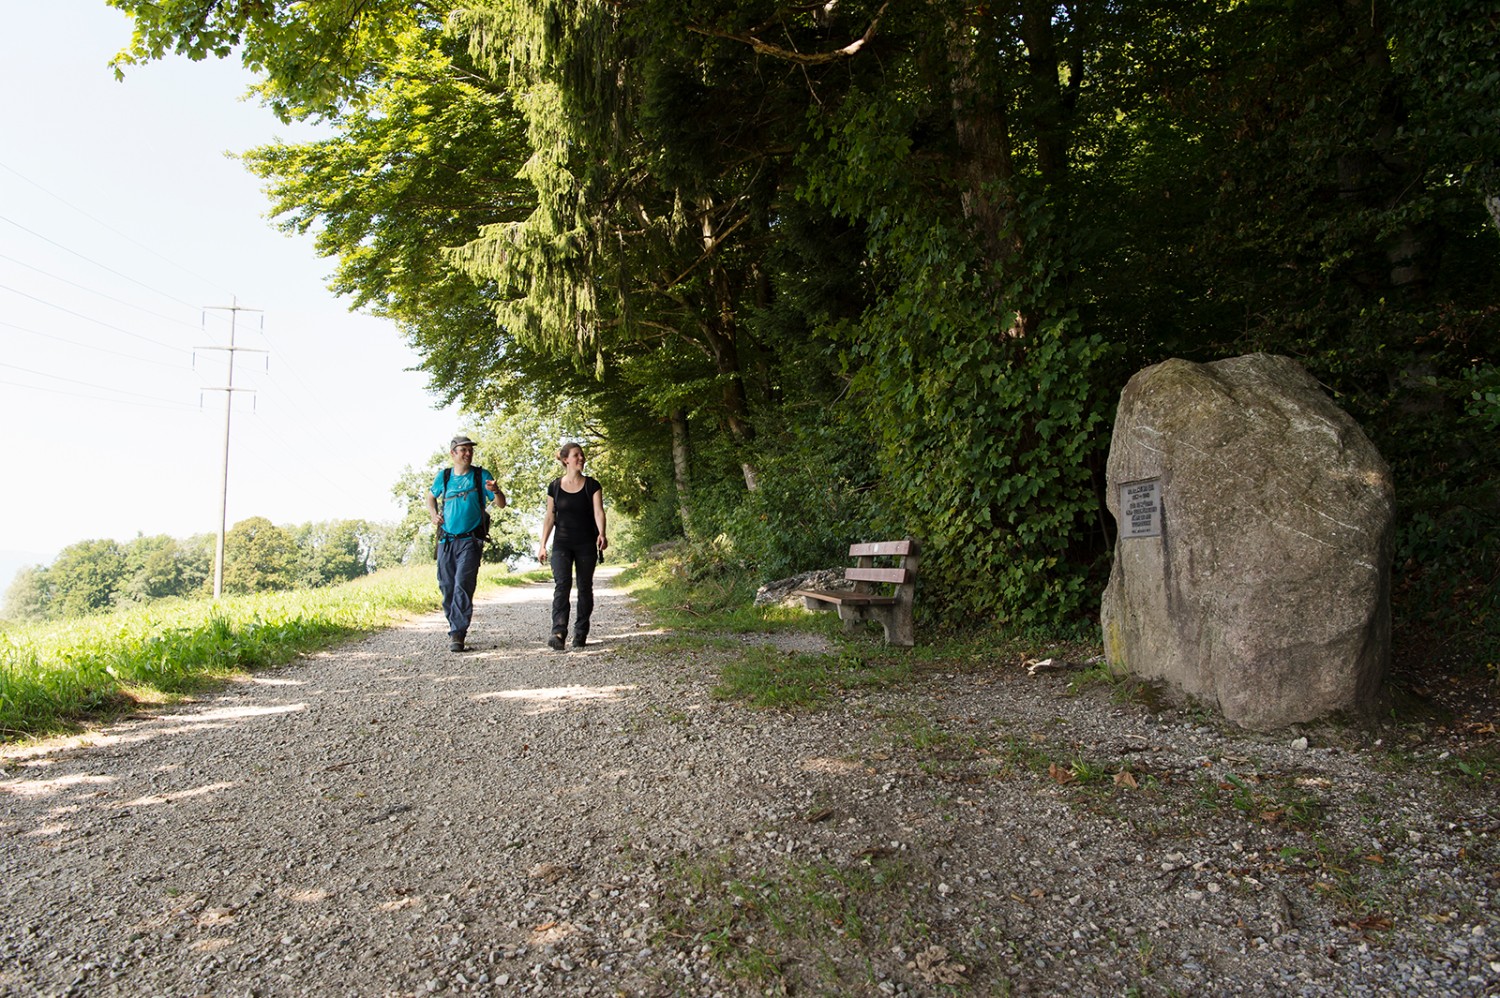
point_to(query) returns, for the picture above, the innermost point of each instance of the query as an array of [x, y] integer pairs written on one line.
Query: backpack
[[483, 530]]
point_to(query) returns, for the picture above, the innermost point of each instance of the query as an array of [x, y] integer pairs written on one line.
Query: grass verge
[[55, 676], [719, 612]]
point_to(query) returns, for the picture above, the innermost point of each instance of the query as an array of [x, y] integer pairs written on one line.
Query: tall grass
[[54, 675]]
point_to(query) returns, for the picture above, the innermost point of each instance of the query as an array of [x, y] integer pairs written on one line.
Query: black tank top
[[575, 512]]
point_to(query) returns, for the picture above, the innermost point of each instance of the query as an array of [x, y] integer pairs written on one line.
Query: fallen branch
[[813, 59]]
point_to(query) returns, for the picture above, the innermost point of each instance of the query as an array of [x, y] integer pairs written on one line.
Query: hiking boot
[[579, 641], [456, 642], [555, 642]]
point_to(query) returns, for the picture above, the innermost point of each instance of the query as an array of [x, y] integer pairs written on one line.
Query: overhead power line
[[96, 291], [82, 256], [88, 384], [171, 406], [90, 318], [100, 222], [90, 346]]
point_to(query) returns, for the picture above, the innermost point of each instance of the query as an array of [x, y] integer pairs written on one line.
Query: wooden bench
[[864, 602]]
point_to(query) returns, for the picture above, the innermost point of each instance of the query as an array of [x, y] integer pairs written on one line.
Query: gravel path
[[392, 819]]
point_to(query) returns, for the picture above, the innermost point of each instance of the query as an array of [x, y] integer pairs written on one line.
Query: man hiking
[[460, 522]]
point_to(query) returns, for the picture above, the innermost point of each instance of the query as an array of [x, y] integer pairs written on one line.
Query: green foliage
[[315, 54], [985, 430], [425, 154], [95, 577], [86, 577], [1483, 405], [896, 291], [698, 584], [762, 676], [817, 493], [259, 556], [161, 567], [29, 594], [328, 553]]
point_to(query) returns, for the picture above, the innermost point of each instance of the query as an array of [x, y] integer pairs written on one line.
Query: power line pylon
[[228, 389]]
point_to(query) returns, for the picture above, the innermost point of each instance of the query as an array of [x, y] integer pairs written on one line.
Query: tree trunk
[[1376, 175], [680, 467], [1049, 113], [719, 331], [981, 126]]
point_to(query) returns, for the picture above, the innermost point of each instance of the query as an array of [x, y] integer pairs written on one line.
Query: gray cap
[[460, 441]]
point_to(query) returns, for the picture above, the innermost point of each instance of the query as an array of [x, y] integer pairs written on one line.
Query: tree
[[29, 595], [258, 556], [900, 258], [313, 56], [328, 553], [154, 568], [426, 154], [85, 578]]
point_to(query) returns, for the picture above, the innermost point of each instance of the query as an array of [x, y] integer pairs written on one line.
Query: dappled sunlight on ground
[[836, 767], [232, 713], [552, 933], [557, 697], [41, 788], [176, 795], [47, 752]]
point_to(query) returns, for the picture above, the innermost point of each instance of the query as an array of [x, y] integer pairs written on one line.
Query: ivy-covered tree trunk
[[981, 127]]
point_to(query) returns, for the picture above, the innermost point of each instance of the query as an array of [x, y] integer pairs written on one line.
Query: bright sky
[[121, 219]]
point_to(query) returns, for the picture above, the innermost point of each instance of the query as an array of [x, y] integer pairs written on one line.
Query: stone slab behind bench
[[780, 591]]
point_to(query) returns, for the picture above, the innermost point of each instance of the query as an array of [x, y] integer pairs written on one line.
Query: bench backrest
[[864, 573]]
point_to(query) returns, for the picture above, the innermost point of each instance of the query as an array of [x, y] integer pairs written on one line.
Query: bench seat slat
[[879, 547], [843, 596], [900, 576]]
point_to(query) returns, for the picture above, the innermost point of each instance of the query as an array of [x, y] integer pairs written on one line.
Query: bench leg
[[896, 624], [852, 616], [898, 628]]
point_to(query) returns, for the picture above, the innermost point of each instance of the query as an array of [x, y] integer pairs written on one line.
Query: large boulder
[[1265, 587]]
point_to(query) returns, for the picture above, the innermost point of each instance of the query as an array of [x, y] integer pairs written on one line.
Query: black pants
[[564, 558]]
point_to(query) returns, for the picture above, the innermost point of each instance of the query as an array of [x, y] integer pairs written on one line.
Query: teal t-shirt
[[462, 503]]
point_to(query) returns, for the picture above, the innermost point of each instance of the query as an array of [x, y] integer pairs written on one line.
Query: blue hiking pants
[[458, 575]]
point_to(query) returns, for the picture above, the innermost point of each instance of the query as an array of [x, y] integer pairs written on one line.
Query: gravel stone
[[388, 818]]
